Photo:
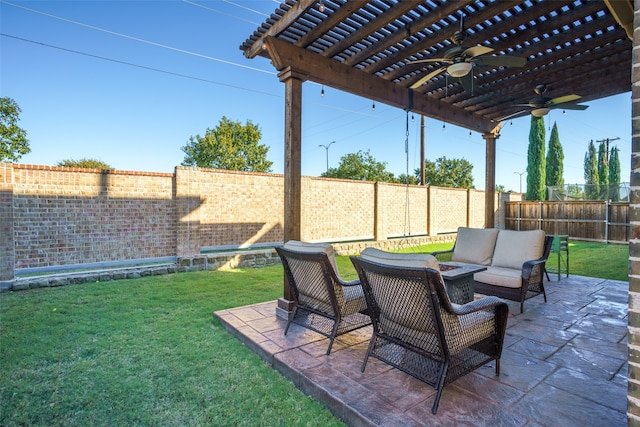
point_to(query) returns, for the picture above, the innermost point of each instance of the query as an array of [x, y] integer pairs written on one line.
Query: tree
[[85, 163], [444, 172], [603, 167], [13, 139], [230, 146], [536, 161], [500, 188], [614, 174], [555, 158], [591, 172], [360, 166], [403, 178]]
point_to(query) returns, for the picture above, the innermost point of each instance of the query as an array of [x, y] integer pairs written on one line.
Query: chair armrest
[[436, 253], [528, 267], [478, 305], [355, 282]]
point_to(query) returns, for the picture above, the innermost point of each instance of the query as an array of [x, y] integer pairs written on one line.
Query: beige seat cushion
[[475, 245], [500, 276], [514, 248], [400, 260]]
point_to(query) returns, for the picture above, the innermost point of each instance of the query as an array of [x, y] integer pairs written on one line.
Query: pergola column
[[292, 227], [490, 180]]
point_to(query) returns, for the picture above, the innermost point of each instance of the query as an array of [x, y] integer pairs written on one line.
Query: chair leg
[[291, 316], [440, 387]]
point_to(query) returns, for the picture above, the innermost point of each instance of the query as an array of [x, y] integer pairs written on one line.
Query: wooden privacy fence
[[601, 221]]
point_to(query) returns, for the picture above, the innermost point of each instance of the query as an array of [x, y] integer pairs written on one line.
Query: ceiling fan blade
[[570, 107], [472, 52], [519, 113], [428, 77], [429, 61], [467, 83], [501, 61], [563, 99]]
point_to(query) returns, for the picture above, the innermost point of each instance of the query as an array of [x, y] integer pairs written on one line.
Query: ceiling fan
[[541, 105], [459, 61]]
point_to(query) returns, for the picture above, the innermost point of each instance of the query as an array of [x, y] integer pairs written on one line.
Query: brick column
[[633, 407], [7, 246], [188, 200]]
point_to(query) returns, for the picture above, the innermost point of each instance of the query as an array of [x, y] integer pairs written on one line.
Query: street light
[[326, 147], [521, 173]]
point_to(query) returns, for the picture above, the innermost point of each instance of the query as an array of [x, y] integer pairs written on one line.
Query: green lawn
[[148, 351]]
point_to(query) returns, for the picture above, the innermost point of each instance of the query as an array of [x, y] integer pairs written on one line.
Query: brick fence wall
[[54, 217]]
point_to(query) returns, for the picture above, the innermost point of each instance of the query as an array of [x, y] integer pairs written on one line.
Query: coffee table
[[458, 280]]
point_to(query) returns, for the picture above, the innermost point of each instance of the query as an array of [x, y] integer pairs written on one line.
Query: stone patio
[[564, 364]]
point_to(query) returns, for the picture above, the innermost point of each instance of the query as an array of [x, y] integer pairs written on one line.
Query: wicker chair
[[323, 302], [419, 331]]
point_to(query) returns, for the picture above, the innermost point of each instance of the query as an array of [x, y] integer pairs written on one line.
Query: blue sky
[[128, 82]]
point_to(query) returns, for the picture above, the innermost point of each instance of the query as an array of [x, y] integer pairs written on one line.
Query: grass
[[143, 352], [148, 351]]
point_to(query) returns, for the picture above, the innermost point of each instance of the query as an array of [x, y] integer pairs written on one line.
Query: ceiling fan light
[[539, 112], [459, 69]]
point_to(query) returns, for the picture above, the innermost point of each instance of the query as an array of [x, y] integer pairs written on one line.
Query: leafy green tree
[[591, 173], [603, 166], [229, 146], [536, 161], [614, 174], [13, 139], [444, 172], [403, 178], [85, 163], [360, 166], [555, 159], [500, 188]]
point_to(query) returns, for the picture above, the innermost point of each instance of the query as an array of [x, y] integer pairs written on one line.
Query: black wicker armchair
[[419, 331], [323, 302]]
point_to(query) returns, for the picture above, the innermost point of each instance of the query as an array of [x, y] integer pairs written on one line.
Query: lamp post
[[521, 173], [326, 147]]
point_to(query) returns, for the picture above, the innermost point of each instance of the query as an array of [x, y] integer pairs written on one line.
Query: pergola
[[369, 48]]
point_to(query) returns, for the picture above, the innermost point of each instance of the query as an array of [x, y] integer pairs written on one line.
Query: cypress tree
[[603, 172], [614, 175], [591, 172], [555, 159], [535, 161]]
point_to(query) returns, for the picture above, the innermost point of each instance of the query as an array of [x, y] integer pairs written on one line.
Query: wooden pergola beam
[[332, 73]]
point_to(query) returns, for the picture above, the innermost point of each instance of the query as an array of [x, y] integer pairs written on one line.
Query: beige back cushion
[[297, 246], [400, 260], [514, 248], [475, 245]]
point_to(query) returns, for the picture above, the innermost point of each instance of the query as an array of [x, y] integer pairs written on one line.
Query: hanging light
[[373, 106], [443, 126], [540, 112], [322, 91], [459, 69], [321, 6]]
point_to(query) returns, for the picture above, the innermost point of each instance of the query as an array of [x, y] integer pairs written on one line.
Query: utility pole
[[520, 173], [606, 141]]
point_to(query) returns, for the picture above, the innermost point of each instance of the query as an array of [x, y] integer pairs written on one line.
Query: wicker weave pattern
[[418, 330], [322, 301]]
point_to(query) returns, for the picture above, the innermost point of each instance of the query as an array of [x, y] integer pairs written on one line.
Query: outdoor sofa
[[514, 261]]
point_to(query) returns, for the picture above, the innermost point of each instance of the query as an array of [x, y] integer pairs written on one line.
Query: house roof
[[369, 48]]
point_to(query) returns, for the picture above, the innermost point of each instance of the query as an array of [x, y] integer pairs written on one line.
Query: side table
[[458, 280]]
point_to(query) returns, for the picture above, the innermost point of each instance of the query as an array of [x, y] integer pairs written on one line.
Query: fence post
[[7, 244], [540, 215], [606, 221], [519, 215]]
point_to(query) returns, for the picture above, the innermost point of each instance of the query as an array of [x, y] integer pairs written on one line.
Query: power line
[[140, 66], [175, 49], [257, 24]]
